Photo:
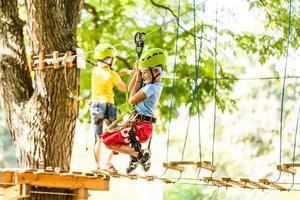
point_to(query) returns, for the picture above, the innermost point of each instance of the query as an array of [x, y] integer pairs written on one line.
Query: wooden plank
[[271, 184], [206, 165], [216, 182], [55, 60], [133, 176], [6, 179], [292, 164], [253, 184], [233, 182], [149, 177], [183, 163], [69, 61], [174, 167], [287, 169], [30, 63], [42, 64], [58, 181], [165, 180]]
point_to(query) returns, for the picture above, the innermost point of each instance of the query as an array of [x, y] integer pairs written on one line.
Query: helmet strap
[[109, 64], [153, 77]]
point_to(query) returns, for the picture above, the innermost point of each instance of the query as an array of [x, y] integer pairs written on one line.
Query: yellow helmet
[[105, 50]]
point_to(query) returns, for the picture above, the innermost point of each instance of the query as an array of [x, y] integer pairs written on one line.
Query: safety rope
[[215, 86], [195, 90], [173, 83], [283, 87], [172, 88], [198, 97], [294, 146]]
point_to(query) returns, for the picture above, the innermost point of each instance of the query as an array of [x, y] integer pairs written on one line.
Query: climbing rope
[[195, 90], [197, 74], [215, 86], [294, 145], [283, 86], [172, 87]]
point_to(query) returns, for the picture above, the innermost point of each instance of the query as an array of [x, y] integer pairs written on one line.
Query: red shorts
[[143, 133]]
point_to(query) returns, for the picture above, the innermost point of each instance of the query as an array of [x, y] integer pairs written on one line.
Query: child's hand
[[124, 72], [136, 65], [139, 76]]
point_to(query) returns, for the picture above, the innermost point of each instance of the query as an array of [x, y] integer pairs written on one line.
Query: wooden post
[[30, 63], [69, 61], [42, 64], [81, 194], [55, 61], [17, 191]]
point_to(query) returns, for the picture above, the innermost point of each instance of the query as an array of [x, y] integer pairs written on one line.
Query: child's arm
[[137, 95], [122, 86], [136, 75]]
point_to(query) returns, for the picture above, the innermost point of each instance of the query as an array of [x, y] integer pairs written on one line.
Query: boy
[[103, 81], [145, 99]]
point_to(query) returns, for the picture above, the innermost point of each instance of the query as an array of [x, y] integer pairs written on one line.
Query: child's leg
[[97, 152], [108, 165], [123, 149], [97, 116]]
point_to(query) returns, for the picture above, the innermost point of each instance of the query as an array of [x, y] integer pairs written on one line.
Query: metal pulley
[[139, 40]]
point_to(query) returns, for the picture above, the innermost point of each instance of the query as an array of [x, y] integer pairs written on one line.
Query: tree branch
[[164, 7], [92, 10], [124, 60], [172, 12]]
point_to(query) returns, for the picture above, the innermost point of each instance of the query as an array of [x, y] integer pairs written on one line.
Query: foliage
[[117, 21]]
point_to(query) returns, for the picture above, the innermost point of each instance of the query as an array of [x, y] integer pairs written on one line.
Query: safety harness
[[139, 40]]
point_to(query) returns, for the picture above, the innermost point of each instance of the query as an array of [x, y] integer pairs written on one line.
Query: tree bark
[[41, 119]]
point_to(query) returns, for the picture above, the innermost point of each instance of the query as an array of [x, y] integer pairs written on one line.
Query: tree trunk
[[41, 119]]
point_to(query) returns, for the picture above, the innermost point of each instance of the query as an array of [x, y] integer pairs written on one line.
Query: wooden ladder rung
[[253, 184], [133, 176], [292, 164], [218, 183], [271, 184], [165, 180], [149, 177], [174, 167], [183, 163], [285, 168], [206, 165], [233, 182]]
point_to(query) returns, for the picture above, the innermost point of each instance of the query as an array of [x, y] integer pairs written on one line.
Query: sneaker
[[132, 164], [145, 160]]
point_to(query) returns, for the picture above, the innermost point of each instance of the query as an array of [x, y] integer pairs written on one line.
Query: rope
[[283, 87], [71, 94], [175, 18], [172, 90], [295, 144], [173, 83], [237, 78], [215, 87], [195, 90], [198, 98]]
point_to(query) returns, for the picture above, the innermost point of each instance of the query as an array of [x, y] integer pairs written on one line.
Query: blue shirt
[[149, 104]]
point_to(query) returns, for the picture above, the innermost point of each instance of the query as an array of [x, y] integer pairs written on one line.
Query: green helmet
[[153, 58], [104, 50]]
